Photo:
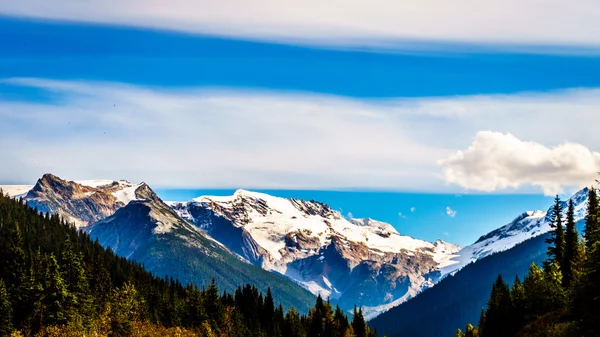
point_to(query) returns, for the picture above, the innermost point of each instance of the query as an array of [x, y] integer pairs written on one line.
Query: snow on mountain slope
[[526, 226], [273, 218], [355, 261]]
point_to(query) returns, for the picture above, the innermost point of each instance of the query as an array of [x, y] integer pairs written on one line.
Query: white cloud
[[401, 215], [349, 215], [208, 138], [236, 138], [496, 161], [377, 22], [450, 212], [412, 209]]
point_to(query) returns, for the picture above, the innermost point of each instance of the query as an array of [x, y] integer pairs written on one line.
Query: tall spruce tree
[[556, 248], [358, 323], [79, 301], [591, 220], [55, 294], [571, 259], [499, 311]]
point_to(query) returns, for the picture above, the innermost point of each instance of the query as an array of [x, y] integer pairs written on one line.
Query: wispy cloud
[[450, 212], [402, 216], [381, 22], [236, 138], [413, 209]]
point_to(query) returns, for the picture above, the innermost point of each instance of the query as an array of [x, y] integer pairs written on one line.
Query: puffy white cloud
[[496, 161], [354, 22], [412, 209], [450, 212]]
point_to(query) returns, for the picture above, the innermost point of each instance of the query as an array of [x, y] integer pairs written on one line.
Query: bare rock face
[[352, 261], [82, 204]]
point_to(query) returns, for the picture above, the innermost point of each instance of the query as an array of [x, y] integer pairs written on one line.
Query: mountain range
[[296, 247]]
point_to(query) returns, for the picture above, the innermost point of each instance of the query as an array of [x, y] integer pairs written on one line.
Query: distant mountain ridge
[[525, 226], [354, 261]]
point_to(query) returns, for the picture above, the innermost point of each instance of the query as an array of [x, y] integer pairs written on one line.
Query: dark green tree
[[292, 326], [6, 312], [499, 311], [556, 242], [56, 294], [572, 248], [358, 323], [79, 300], [517, 297], [591, 220]]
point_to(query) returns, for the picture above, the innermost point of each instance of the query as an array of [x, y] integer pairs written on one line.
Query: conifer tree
[[591, 220], [125, 309], [482, 321], [517, 297], [214, 307], [78, 304], [556, 248], [499, 310], [571, 260], [55, 294], [358, 323], [6, 312], [293, 325]]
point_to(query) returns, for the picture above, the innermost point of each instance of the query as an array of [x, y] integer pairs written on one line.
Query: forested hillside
[[562, 299], [56, 281], [458, 299]]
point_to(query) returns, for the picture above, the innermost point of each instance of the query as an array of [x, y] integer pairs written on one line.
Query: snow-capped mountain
[[526, 226], [135, 223], [79, 202], [353, 261]]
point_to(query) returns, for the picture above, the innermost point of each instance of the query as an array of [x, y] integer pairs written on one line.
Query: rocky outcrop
[[82, 204]]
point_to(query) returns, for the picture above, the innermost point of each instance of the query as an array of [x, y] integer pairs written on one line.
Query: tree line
[[560, 299], [56, 281]]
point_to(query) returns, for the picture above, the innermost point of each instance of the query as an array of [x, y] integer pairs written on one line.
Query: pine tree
[[571, 260], [55, 294], [556, 248], [125, 309], [6, 312], [293, 325], [482, 321], [78, 304], [268, 312], [499, 310], [517, 297], [358, 323], [214, 307], [591, 220]]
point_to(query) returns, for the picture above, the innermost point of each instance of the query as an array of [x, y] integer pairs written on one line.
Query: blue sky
[[389, 98]]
